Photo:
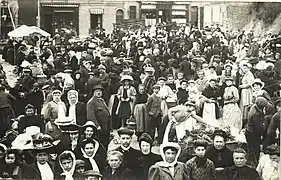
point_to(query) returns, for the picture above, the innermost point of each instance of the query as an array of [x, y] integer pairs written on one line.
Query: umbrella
[[20, 31], [27, 31], [37, 30]]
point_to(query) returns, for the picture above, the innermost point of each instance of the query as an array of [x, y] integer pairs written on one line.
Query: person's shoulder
[[209, 162], [191, 161]]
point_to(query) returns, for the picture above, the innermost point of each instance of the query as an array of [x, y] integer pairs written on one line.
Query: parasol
[[27, 31]]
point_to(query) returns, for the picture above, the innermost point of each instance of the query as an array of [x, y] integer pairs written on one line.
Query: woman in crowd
[[169, 168], [12, 166], [231, 113], [76, 110], [67, 161], [89, 131], [93, 154], [210, 107], [126, 94], [140, 110], [55, 109], [115, 169], [246, 93], [147, 158], [258, 90]]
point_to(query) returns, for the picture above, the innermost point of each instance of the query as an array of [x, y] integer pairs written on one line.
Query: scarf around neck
[[91, 158]]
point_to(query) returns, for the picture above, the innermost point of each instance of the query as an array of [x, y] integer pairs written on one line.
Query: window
[[133, 12], [119, 16], [96, 21]]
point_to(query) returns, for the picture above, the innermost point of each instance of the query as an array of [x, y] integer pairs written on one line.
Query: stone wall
[[238, 15]]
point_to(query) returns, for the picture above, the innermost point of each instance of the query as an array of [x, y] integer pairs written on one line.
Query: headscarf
[[164, 163], [68, 174], [72, 108], [91, 159]]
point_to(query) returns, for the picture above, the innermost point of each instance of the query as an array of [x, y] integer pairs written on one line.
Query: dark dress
[[124, 109], [240, 173], [146, 161], [182, 96], [212, 93], [121, 173], [221, 158]]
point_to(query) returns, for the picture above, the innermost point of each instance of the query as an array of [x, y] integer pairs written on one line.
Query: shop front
[[164, 12], [57, 17]]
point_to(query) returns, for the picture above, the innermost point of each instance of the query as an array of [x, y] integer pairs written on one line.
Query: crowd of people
[[60, 118]]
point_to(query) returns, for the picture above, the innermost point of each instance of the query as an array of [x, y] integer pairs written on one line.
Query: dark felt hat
[[125, 131], [97, 87]]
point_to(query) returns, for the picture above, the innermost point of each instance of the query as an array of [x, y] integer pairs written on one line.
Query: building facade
[[84, 16], [181, 12]]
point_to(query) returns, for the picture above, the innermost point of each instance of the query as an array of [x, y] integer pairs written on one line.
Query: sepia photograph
[[140, 90]]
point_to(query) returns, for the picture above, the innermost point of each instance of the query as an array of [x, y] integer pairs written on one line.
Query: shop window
[[96, 21], [119, 16], [133, 12]]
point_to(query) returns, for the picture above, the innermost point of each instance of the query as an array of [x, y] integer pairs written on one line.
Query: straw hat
[[126, 77]]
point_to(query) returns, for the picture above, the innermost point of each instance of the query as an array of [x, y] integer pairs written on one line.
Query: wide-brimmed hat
[[23, 142], [70, 128], [64, 121], [41, 145], [191, 81], [89, 124], [156, 86], [258, 81], [126, 77], [228, 65]]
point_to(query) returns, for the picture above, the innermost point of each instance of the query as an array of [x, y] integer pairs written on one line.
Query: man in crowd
[[130, 154], [97, 111]]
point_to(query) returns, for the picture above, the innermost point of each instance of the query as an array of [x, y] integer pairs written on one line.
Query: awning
[[96, 11], [60, 5]]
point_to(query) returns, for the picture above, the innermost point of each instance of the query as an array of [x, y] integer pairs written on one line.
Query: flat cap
[[125, 131]]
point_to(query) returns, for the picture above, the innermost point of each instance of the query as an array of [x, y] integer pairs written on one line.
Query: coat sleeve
[[188, 169], [153, 173], [91, 114], [47, 112], [149, 103], [213, 171]]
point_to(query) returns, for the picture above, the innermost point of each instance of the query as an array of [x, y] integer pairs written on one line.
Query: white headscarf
[[164, 163], [68, 174], [91, 159], [72, 108]]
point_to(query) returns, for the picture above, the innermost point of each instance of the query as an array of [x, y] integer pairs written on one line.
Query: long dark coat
[[130, 158], [120, 174], [34, 172], [81, 113]]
